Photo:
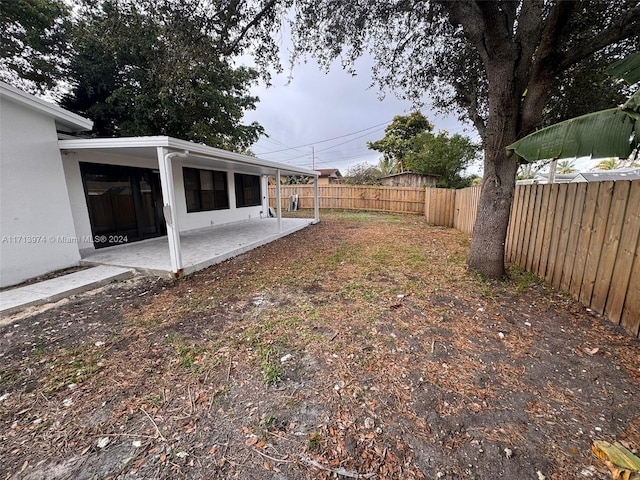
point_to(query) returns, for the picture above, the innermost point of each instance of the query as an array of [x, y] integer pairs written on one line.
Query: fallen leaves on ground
[[358, 346]]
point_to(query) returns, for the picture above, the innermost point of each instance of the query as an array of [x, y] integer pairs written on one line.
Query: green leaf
[[628, 68], [622, 463], [608, 133], [633, 105]]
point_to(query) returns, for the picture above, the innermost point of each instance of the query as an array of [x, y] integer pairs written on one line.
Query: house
[[544, 179], [409, 179], [608, 175], [64, 198], [329, 176]]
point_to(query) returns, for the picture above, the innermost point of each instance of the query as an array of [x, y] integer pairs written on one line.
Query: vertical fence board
[[473, 214], [548, 231], [565, 226], [518, 205], [544, 207], [582, 248], [427, 205], [460, 199], [574, 231], [610, 247], [556, 232], [625, 256], [508, 247], [631, 311], [596, 241], [535, 225]]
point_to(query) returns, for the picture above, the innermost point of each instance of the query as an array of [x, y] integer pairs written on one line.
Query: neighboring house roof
[[565, 177], [410, 173], [65, 121], [198, 154], [329, 172], [544, 179], [610, 175]]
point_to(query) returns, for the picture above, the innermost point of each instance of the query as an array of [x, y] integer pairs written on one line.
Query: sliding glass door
[[125, 203]]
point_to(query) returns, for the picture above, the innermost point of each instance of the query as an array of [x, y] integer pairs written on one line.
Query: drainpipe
[[278, 201], [169, 208], [316, 205]]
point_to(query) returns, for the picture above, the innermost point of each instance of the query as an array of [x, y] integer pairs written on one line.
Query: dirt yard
[[357, 348]]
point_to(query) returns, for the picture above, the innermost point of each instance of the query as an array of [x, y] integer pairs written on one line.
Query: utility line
[[328, 139], [328, 148]]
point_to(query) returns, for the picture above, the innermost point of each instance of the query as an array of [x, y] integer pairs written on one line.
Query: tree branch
[[544, 67], [261, 14], [527, 37], [467, 14], [548, 49], [471, 99], [624, 27]]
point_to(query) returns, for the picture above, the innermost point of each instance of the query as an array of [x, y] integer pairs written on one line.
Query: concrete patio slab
[[60, 287], [200, 249]]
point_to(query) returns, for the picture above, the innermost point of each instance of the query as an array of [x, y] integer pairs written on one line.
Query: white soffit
[[199, 154]]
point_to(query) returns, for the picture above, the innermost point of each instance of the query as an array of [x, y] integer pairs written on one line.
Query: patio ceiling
[[199, 155]]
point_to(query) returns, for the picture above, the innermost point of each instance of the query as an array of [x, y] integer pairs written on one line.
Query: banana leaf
[[628, 68], [614, 132]]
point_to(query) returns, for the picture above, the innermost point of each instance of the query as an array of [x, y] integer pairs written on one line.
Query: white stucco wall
[[197, 220], [186, 221], [36, 227]]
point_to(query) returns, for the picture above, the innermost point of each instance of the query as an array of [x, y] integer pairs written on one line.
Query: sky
[[315, 106], [336, 114]]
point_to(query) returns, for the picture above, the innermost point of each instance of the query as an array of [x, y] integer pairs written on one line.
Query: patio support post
[[316, 206], [278, 201], [169, 208]]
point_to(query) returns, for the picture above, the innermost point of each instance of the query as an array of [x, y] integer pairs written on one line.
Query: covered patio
[[200, 249], [193, 240]]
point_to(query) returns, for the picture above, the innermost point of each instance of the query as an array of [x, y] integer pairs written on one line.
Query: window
[[247, 190], [205, 190]]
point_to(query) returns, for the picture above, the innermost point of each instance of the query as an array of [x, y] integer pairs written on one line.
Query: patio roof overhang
[[146, 147], [163, 149]]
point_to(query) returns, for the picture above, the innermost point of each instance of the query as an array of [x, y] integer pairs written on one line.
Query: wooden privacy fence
[[354, 197], [452, 208], [583, 239], [439, 206], [466, 208]]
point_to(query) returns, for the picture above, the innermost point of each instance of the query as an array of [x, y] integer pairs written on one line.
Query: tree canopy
[[148, 70], [398, 138], [142, 67], [442, 155], [362, 174], [33, 42], [410, 144]]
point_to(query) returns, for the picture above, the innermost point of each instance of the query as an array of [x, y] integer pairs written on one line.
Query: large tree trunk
[[494, 208], [490, 230]]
